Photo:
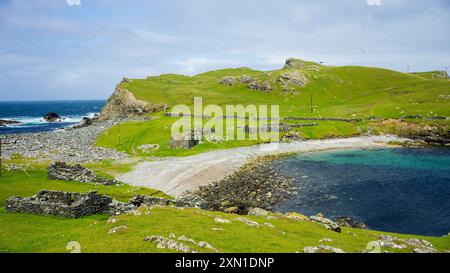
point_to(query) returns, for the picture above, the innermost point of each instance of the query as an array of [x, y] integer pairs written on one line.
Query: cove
[[394, 190]]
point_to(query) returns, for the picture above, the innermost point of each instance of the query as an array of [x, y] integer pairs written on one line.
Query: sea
[[30, 114], [398, 190]]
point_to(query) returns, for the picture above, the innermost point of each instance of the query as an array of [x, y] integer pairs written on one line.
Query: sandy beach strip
[[176, 175]]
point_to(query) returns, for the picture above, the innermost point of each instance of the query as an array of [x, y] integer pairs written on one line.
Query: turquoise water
[[395, 190]]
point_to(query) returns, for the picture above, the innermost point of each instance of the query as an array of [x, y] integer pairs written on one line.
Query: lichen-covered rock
[[67, 172], [58, 203]]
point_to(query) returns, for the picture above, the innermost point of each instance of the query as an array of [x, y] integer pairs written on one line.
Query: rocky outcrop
[[327, 223], [293, 78], [65, 204], [4, 123], [250, 82], [67, 172], [122, 104], [52, 117], [349, 222]]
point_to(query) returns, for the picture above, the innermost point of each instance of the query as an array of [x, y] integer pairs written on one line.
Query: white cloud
[[374, 2]]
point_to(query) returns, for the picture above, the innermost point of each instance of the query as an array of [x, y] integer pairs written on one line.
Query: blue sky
[[51, 50]]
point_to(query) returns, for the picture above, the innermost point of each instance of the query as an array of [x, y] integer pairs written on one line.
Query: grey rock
[[165, 243], [349, 222], [327, 223], [58, 203], [67, 172], [230, 81]]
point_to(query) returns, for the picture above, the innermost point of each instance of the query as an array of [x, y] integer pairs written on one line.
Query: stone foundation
[[65, 204], [66, 172]]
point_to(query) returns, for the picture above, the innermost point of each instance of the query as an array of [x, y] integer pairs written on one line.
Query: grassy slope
[[337, 92], [33, 233]]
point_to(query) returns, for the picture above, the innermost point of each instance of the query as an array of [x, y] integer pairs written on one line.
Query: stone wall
[[65, 204], [66, 172]]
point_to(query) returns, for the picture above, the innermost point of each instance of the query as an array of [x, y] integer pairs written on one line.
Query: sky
[[80, 49]]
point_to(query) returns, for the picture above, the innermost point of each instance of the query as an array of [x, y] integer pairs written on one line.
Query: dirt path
[[177, 175]]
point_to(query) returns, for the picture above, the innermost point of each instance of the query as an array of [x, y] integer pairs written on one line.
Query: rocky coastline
[[67, 145]]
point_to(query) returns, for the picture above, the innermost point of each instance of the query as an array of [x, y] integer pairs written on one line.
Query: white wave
[[26, 121]]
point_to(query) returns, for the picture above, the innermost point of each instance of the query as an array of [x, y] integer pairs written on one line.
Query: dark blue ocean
[[395, 190], [30, 113]]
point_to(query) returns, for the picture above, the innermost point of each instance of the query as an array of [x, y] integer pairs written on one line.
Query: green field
[[33, 233], [339, 92]]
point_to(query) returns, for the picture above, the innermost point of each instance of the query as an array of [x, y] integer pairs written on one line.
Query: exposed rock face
[[292, 63], [350, 223], [66, 172], [52, 117], [66, 204], [122, 104], [294, 78]]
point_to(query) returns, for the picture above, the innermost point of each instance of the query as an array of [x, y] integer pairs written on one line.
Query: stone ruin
[[76, 205], [66, 172], [188, 141], [58, 203]]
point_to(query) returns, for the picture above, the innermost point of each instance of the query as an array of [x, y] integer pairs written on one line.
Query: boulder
[[322, 249], [258, 212], [52, 117], [150, 201], [327, 223], [263, 86], [349, 222], [148, 148], [67, 172], [230, 81]]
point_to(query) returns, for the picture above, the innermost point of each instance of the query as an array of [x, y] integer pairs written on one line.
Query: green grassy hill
[[343, 92], [27, 233]]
